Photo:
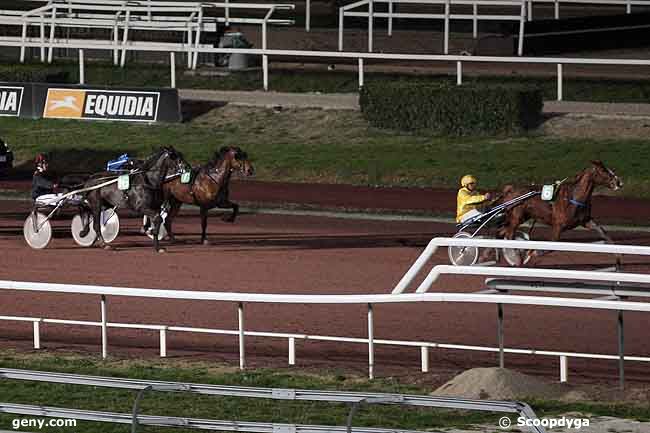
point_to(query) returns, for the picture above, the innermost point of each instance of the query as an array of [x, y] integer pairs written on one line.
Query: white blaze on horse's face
[[616, 182]]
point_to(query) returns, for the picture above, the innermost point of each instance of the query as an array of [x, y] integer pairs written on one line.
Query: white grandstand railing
[[446, 16], [369, 300], [433, 245], [125, 16], [627, 3]]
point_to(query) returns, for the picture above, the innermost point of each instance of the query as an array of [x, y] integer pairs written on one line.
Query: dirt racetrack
[[298, 254]]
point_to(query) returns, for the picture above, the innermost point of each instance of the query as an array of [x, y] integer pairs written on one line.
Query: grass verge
[[243, 409], [329, 147]]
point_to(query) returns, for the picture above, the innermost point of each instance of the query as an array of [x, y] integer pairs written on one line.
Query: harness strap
[[577, 203]]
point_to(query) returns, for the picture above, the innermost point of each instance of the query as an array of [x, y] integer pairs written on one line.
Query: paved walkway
[[350, 101]]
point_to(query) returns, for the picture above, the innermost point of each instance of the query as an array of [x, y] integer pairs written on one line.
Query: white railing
[[433, 245], [369, 300], [126, 16], [446, 16], [359, 56], [627, 3]]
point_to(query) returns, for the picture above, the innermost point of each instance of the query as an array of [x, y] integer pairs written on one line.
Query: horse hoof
[[107, 247], [205, 242], [161, 250]]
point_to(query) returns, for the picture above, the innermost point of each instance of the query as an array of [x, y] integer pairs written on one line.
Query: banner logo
[[11, 99], [102, 105], [64, 103]]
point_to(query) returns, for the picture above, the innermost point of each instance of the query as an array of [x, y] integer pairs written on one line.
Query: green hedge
[[29, 74], [449, 109]]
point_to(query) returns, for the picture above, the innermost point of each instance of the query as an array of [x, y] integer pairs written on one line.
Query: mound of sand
[[498, 384]]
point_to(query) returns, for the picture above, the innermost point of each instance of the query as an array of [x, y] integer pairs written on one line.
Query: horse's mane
[[151, 160], [221, 154]]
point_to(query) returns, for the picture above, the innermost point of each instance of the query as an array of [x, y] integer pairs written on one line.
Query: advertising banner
[[89, 103]]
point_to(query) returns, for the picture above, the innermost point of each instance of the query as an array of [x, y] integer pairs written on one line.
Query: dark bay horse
[[570, 208], [209, 187], [144, 195]]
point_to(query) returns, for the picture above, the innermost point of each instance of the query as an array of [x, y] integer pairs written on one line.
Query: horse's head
[[238, 159], [605, 176], [165, 162]]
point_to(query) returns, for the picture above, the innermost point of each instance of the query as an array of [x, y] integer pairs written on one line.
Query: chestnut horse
[[570, 208], [209, 187]]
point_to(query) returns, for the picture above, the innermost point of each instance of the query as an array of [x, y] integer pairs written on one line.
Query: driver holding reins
[[468, 198], [41, 184]]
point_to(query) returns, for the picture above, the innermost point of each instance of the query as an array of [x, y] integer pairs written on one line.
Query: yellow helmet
[[467, 179]]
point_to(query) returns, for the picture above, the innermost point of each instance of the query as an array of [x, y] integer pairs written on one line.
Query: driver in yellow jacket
[[468, 197]]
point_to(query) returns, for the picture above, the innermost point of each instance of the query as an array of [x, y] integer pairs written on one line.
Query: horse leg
[[235, 211], [174, 208], [593, 225], [97, 225], [204, 225], [156, 220]]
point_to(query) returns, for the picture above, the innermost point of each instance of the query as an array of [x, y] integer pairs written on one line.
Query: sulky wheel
[[77, 226], [463, 256], [37, 230], [110, 225], [515, 256]]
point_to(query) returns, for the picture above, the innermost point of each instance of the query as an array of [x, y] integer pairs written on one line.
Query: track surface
[[298, 254]]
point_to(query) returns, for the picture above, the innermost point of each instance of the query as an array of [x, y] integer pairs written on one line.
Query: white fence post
[[42, 28], [371, 15], [424, 358], [308, 15], [459, 73], [52, 33], [557, 9], [371, 344], [360, 72], [292, 351], [446, 37], [104, 328], [242, 354], [390, 17], [163, 342], [265, 71], [530, 10], [559, 81], [82, 78], [37, 333], [522, 21], [475, 21], [22, 47], [172, 65], [341, 14], [564, 369]]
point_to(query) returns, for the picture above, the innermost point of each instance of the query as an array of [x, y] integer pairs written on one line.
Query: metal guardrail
[[354, 398], [241, 333], [435, 243]]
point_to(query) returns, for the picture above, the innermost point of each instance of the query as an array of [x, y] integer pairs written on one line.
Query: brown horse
[[570, 208], [209, 187]]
